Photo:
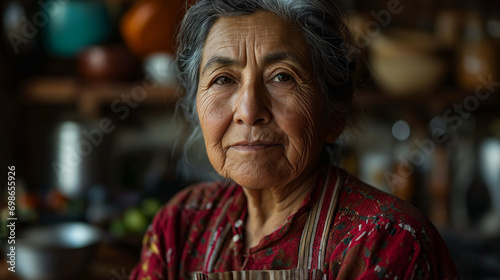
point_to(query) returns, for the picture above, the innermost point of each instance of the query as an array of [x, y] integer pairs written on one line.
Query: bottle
[[439, 188], [477, 56], [493, 31], [403, 179]]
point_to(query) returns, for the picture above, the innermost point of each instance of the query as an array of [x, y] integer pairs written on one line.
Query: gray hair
[[321, 22]]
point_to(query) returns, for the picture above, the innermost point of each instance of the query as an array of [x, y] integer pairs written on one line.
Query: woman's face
[[261, 110]]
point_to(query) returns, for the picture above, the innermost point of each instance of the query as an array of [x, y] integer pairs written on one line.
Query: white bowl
[[54, 252], [407, 62]]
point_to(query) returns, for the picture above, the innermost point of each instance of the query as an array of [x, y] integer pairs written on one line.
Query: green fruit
[[149, 207], [117, 228], [135, 220]]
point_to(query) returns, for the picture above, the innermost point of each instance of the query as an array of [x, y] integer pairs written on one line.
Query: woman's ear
[[335, 126]]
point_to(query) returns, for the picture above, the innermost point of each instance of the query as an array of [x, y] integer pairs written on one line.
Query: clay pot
[[107, 63], [149, 25]]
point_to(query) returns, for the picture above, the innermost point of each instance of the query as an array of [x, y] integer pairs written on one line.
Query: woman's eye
[[223, 80], [282, 77]]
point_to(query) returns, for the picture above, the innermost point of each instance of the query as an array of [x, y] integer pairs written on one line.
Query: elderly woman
[[269, 83]]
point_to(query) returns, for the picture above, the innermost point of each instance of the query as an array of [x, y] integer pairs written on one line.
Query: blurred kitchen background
[[87, 98]]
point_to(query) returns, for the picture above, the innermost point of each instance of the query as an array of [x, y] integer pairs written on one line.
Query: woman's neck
[[269, 208]]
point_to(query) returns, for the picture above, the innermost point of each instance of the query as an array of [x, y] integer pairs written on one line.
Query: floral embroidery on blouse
[[374, 236]]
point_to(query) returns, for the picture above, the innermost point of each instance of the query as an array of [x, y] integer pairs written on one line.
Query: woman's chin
[[258, 177], [254, 184]]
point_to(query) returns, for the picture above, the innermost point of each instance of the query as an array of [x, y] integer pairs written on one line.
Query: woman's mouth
[[253, 146]]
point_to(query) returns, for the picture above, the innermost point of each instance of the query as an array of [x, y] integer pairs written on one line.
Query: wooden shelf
[[432, 103], [88, 97]]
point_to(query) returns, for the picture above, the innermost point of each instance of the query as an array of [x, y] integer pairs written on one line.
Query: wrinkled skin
[[262, 113]]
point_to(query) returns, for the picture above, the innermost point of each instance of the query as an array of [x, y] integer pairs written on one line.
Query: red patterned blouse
[[373, 235]]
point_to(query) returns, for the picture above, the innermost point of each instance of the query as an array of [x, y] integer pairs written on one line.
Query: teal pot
[[74, 25]]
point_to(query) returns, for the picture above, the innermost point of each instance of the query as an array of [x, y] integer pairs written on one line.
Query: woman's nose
[[252, 106]]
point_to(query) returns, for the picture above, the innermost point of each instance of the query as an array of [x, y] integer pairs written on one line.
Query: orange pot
[[149, 25]]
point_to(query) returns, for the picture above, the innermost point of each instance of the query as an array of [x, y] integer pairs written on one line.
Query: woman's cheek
[[301, 120], [213, 116]]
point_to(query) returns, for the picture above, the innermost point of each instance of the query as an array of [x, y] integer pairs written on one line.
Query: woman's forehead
[[258, 34]]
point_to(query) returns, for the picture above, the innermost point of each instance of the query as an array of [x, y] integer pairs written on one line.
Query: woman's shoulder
[[360, 200], [181, 219], [363, 209], [199, 196], [386, 235]]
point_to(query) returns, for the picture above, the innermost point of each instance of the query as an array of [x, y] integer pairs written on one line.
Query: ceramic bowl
[[54, 252], [407, 62]]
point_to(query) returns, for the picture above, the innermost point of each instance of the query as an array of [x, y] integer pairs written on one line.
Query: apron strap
[[312, 248], [216, 238]]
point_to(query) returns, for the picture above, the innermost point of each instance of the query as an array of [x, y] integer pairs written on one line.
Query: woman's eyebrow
[[280, 56], [218, 61]]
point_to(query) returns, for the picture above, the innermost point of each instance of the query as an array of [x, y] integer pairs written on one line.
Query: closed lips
[[253, 145]]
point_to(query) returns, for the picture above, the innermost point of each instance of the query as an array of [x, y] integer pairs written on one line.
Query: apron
[[312, 248]]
